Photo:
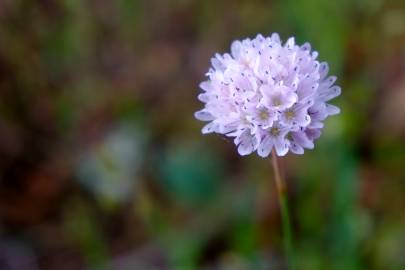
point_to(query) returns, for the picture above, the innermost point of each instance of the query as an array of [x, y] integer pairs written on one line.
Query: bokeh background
[[103, 166]]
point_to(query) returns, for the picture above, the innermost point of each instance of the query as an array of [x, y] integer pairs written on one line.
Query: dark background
[[103, 166]]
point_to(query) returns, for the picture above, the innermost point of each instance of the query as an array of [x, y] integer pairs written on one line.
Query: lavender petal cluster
[[266, 94]]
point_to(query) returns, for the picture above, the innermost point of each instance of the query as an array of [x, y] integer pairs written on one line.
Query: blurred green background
[[103, 166]]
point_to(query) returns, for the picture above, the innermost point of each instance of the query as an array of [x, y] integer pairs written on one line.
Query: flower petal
[[209, 128], [236, 48], [332, 110], [330, 93], [296, 148], [204, 115], [275, 38], [247, 144], [265, 147], [323, 70], [328, 82], [302, 139], [281, 146]]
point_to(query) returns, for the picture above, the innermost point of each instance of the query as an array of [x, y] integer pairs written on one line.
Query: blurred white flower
[[110, 167]]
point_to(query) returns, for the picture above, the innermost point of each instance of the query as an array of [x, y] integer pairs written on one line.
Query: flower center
[[275, 131], [247, 62], [277, 101], [289, 114], [244, 120], [263, 115]]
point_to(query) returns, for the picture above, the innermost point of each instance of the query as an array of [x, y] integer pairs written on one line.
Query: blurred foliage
[[102, 165]]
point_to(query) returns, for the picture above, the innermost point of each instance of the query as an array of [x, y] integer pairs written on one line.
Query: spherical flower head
[[267, 94]]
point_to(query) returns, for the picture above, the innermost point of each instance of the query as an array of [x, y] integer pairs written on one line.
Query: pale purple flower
[[266, 94]]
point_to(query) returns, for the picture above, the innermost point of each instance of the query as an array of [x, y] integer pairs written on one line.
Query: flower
[[266, 94]]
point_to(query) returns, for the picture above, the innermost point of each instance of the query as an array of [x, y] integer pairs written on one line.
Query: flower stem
[[285, 217]]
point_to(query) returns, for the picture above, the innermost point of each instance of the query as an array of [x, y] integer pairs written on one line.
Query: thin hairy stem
[[285, 217]]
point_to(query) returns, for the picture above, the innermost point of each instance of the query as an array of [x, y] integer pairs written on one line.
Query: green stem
[[285, 217]]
